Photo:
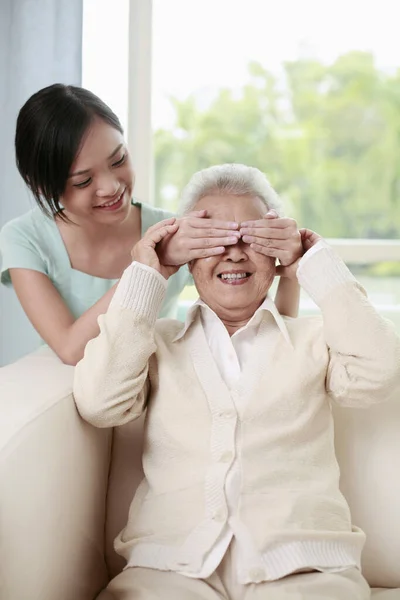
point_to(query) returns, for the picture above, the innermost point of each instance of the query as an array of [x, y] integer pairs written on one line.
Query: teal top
[[33, 241]]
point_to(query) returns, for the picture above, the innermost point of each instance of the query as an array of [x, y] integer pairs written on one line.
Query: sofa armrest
[[53, 485]]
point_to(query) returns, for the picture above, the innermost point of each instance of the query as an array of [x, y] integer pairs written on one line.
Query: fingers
[[271, 222], [160, 224], [212, 242], [209, 233], [273, 236], [279, 244], [154, 237], [212, 224], [309, 238], [266, 250], [283, 256], [205, 252], [266, 232]]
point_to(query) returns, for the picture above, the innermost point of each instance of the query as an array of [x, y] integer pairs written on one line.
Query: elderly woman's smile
[[233, 284], [234, 277]]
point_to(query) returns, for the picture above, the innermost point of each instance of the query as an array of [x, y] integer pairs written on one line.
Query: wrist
[[141, 289], [321, 270]]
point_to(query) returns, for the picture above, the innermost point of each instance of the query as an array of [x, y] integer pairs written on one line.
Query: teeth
[[110, 203], [233, 275]]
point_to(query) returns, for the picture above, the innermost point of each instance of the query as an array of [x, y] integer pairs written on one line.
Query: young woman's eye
[[120, 161], [83, 184]]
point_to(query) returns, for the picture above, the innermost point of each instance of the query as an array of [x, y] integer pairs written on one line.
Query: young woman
[[65, 256]]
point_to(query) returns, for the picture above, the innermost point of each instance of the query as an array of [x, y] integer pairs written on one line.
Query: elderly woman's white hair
[[229, 179]]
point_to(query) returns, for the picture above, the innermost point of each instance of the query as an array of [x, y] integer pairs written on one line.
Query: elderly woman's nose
[[237, 251]]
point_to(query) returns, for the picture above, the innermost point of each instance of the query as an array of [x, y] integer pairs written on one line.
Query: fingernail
[[272, 213], [233, 225]]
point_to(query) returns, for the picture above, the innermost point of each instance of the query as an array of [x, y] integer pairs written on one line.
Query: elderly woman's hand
[[197, 237], [145, 250], [274, 236]]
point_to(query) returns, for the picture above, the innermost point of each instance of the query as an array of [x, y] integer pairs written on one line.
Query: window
[[105, 53], [307, 91]]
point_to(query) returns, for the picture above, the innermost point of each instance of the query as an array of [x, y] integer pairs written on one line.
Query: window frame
[[139, 134], [139, 129]]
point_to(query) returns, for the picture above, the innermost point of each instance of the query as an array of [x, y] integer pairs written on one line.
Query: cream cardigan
[[291, 514]]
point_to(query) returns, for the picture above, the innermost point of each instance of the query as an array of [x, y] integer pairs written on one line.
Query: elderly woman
[[241, 497]]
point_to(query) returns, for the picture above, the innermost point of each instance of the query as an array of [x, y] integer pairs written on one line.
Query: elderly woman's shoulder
[[168, 329], [303, 327]]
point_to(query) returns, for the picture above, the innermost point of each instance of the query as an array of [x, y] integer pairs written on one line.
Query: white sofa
[[65, 487]]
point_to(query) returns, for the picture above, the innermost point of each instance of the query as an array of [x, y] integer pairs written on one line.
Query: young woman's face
[[101, 180]]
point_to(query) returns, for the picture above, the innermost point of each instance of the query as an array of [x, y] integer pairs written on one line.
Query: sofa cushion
[[53, 480], [125, 475], [368, 450]]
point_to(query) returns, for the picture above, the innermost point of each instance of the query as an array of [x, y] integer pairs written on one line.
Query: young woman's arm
[[287, 297], [51, 318]]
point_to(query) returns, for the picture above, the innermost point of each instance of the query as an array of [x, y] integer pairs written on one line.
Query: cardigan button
[[257, 575], [227, 414], [219, 515], [226, 457]]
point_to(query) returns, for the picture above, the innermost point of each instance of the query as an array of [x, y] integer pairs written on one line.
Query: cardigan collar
[[267, 306]]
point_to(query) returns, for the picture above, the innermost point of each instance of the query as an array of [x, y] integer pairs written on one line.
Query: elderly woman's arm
[[111, 381], [364, 349]]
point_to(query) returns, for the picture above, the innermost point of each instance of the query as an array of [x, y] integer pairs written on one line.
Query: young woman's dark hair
[[50, 128]]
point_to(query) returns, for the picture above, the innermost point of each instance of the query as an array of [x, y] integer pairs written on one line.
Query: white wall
[[40, 44]]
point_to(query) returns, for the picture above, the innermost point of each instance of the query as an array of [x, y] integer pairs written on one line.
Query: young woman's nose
[[107, 186]]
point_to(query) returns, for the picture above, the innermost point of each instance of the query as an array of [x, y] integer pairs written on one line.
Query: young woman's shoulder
[[24, 243], [152, 215]]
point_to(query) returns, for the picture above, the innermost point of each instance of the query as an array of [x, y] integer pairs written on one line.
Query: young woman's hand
[[274, 236], [145, 250], [197, 237]]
